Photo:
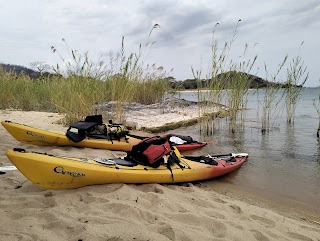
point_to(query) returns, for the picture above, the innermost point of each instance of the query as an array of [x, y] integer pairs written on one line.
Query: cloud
[[183, 39]]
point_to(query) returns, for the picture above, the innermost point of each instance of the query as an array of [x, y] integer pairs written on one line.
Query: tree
[[40, 66]]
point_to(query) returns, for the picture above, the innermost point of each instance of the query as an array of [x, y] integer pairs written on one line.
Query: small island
[[226, 80]]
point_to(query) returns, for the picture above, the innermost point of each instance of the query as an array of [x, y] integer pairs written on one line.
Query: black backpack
[[94, 127], [84, 128]]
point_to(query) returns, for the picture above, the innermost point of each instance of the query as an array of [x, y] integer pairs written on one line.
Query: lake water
[[284, 161]]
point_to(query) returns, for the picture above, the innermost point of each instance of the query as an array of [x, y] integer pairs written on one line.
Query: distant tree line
[[33, 74], [254, 82]]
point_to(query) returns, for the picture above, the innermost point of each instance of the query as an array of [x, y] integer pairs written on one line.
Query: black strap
[[170, 169], [137, 137], [173, 159]]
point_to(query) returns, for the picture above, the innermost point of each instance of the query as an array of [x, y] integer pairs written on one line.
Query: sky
[[183, 40]]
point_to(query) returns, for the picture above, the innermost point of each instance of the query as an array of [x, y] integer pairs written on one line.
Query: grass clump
[[227, 82], [295, 73], [270, 101], [75, 88], [18, 91]]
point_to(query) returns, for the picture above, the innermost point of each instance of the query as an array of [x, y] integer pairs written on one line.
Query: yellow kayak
[[54, 172], [40, 137]]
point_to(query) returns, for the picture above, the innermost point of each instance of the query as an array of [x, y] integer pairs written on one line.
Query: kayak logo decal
[[34, 135], [62, 171]]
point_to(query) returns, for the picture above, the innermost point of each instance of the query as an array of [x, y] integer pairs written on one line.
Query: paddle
[[228, 155], [212, 160], [7, 168], [233, 155]]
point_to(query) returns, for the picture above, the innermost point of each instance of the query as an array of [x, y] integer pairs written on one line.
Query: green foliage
[[74, 95]]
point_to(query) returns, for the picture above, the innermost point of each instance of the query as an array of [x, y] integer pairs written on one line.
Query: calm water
[[283, 162]]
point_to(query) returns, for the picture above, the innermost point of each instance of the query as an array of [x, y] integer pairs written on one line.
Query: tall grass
[[297, 76], [20, 92], [227, 81], [75, 88], [270, 101]]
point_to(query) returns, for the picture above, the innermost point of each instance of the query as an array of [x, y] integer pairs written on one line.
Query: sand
[[133, 212], [169, 113]]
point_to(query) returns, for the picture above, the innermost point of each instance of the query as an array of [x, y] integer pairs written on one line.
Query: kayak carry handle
[[19, 149]]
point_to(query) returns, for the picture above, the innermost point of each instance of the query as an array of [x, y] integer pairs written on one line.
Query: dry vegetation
[[83, 82]]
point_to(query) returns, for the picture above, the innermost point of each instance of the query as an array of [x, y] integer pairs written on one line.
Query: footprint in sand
[[298, 236], [219, 200], [259, 236], [167, 231], [236, 208], [17, 236], [267, 222]]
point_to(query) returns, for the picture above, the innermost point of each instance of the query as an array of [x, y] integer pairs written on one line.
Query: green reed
[[227, 81], [270, 101], [297, 76]]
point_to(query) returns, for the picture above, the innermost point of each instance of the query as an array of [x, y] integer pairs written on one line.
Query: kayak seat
[[94, 118], [81, 126]]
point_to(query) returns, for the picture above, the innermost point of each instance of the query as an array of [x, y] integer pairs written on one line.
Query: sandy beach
[[187, 212]]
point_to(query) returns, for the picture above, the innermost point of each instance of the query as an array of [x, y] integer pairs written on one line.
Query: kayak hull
[[53, 172], [40, 137]]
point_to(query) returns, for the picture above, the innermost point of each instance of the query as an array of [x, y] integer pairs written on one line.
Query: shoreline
[[284, 206], [175, 212]]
